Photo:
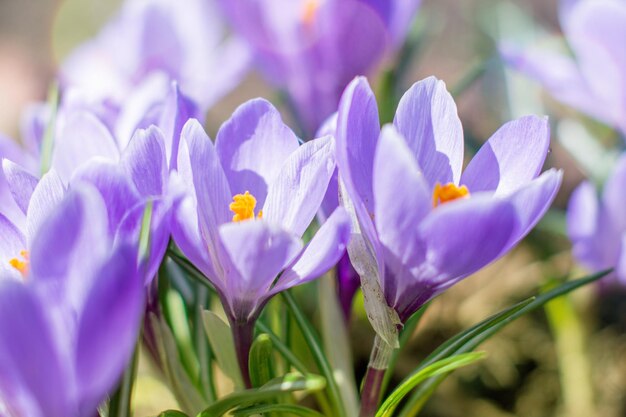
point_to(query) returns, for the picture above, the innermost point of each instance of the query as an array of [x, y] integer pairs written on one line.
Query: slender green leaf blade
[[222, 345], [173, 413], [288, 409], [261, 368]]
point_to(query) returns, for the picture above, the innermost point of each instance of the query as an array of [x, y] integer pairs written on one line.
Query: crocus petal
[[428, 119], [558, 74], [613, 198], [63, 253], [582, 212], [144, 161], [108, 327], [357, 134], [532, 201], [114, 186], [464, 236], [513, 156], [252, 146], [82, 137], [29, 357], [46, 196], [211, 186], [257, 252], [21, 183], [322, 253], [296, 194], [402, 199], [177, 109], [12, 242]]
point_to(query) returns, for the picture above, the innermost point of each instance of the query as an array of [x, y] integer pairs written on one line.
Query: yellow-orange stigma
[[21, 264], [309, 12], [449, 192], [243, 206]]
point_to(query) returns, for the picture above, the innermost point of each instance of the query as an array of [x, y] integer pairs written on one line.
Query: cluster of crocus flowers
[[593, 81]]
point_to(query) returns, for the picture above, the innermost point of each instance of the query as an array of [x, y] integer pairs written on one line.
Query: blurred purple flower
[[597, 225], [68, 331], [426, 226], [158, 39], [313, 48], [251, 197], [594, 80]]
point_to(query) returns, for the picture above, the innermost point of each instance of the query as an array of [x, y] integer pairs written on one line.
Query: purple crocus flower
[[313, 48], [68, 331], [594, 80], [597, 225], [251, 197], [158, 39], [421, 224]]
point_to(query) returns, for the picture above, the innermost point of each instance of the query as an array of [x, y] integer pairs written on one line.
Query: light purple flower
[[158, 38], [597, 225], [425, 224], [251, 197], [593, 81], [313, 48], [68, 331]]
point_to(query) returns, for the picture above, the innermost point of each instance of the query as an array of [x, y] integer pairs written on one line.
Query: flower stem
[[243, 335], [372, 383]]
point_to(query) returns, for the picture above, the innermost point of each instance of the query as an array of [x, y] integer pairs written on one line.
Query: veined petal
[[512, 157], [29, 357], [144, 161], [322, 253], [82, 137], [464, 236], [357, 135], [21, 183], [108, 326], [176, 111], [257, 252], [46, 196], [116, 189], [532, 201], [252, 146], [296, 194], [427, 117], [12, 243], [402, 199]]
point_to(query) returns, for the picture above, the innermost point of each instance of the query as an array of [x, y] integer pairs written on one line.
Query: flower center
[[21, 264], [309, 12], [243, 206], [449, 192]]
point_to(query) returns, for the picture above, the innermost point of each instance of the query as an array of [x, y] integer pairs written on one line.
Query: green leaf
[[269, 391], [471, 338], [144, 233], [172, 413], [221, 341], [321, 361], [443, 366], [261, 368], [288, 409], [120, 404]]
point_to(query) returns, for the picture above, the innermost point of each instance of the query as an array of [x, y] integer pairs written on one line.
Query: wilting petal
[[252, 146], [428, 119], [257, 252], [322, 253], [82, 137], [558, 74], [513, 156], [64, 253], [46, 196], [144, 161], [532, 201], [464, 236], [357, 135], [114, 186], [29, 356], [296, 194], [402, 199], [21, 183], [108, 327]]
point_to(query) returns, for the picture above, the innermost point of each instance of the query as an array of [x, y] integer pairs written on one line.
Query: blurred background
[[546, 364]]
